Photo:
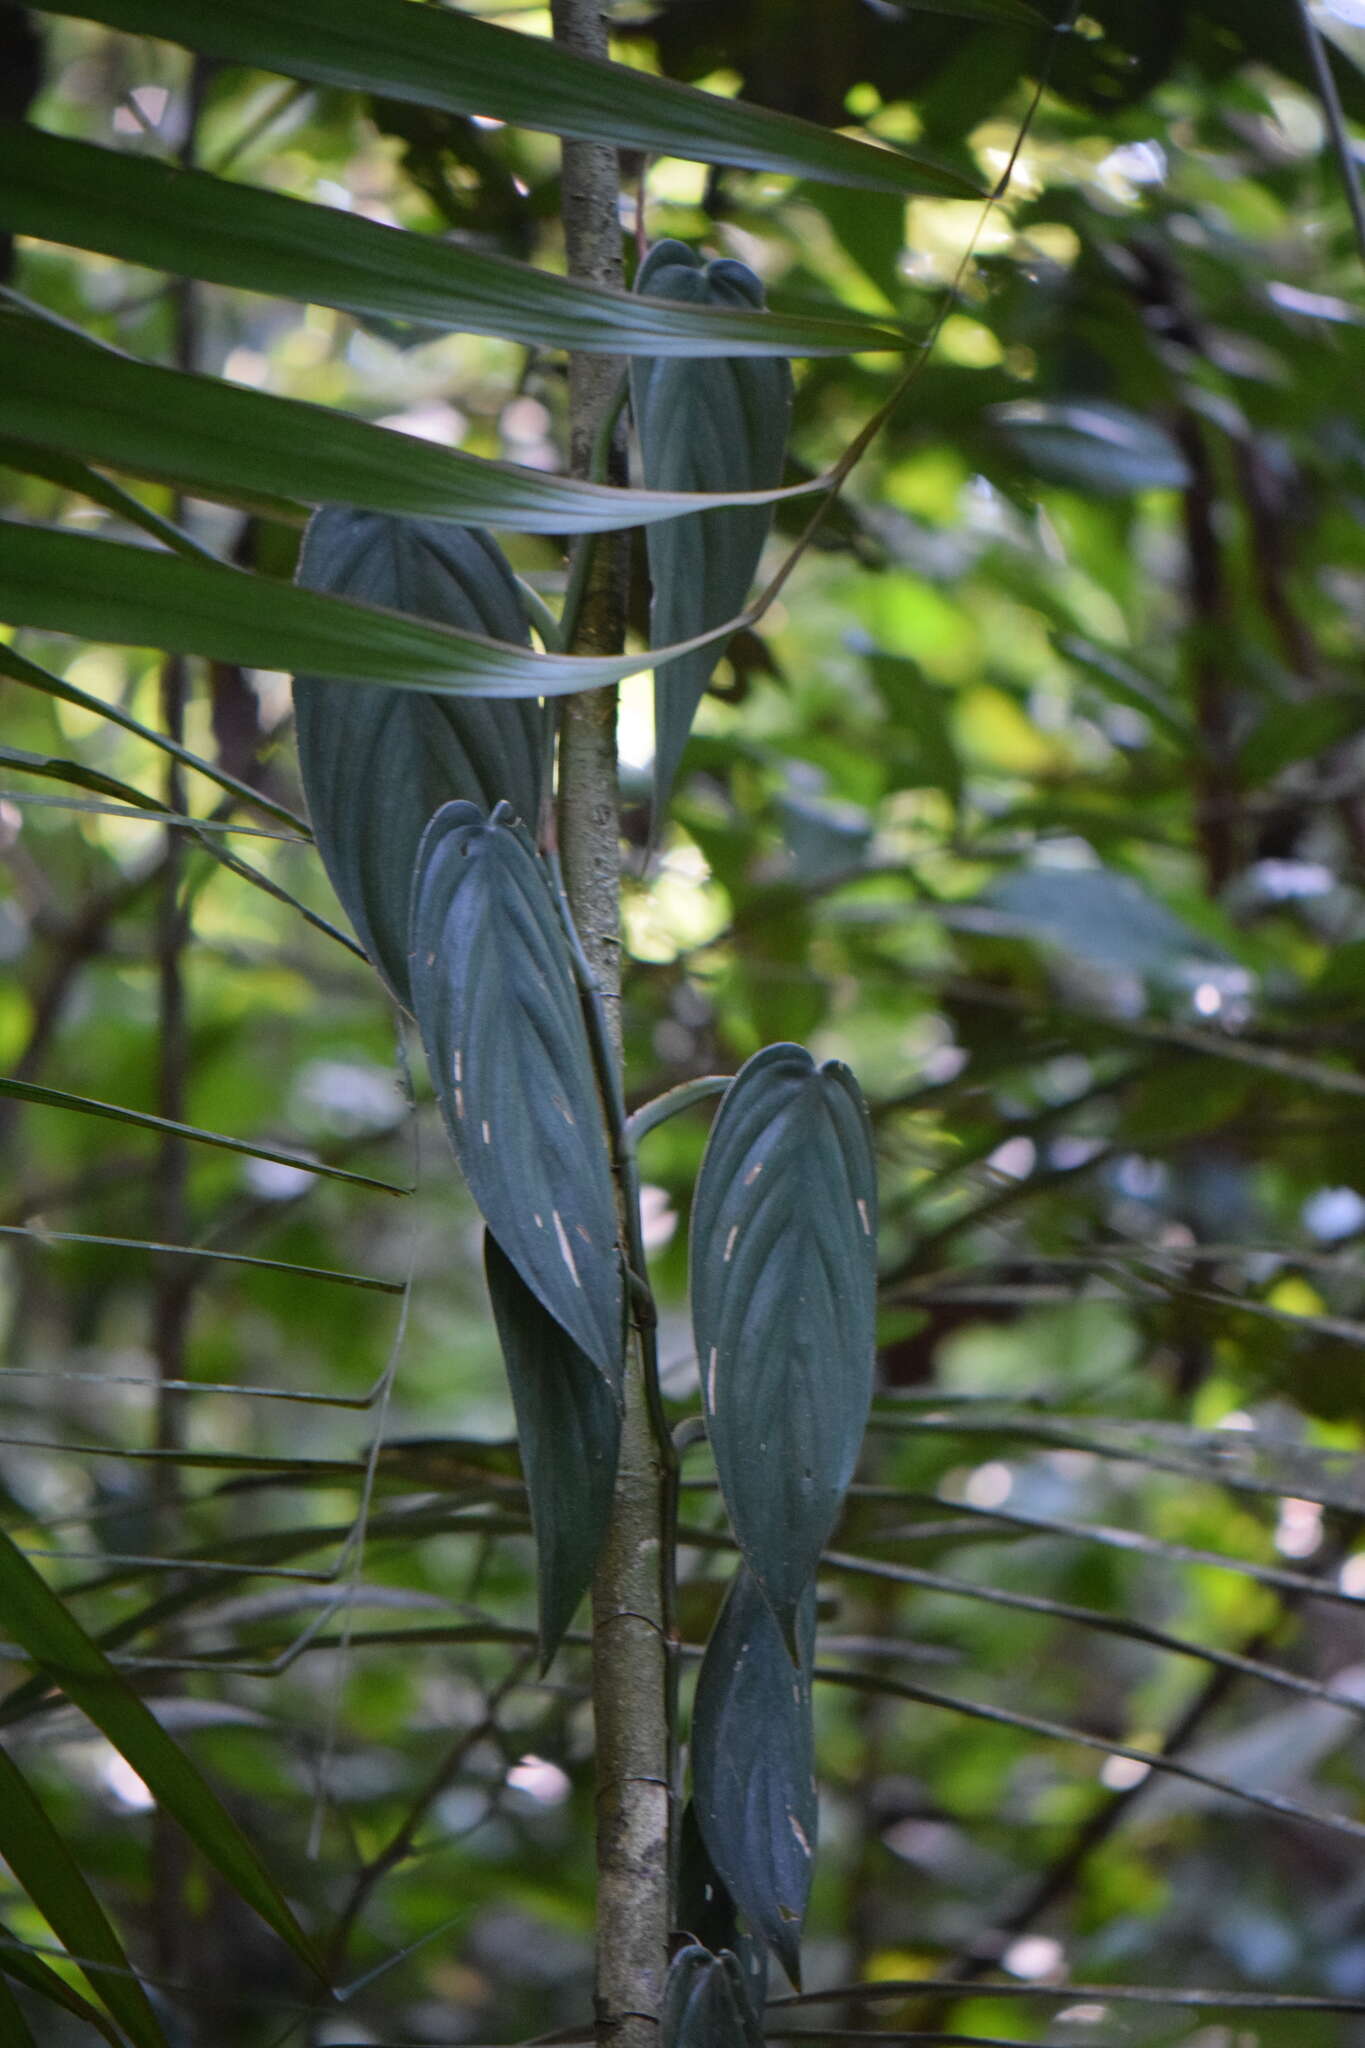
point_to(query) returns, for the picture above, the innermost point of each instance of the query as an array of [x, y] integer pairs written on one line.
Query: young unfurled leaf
[[706, 2004], [377, 763], [716, 425], [784, 1235], [569, 1427], [493, 992], [753, 1764]]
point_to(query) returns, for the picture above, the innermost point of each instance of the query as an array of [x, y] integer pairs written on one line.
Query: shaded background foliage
[[1039, 799]]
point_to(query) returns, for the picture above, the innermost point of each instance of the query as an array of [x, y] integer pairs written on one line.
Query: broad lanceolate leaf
[[706, 2004], [438, 57], [753, 1772], [41, 1622], [569, 1428], [196, 225], [224, 440], [494, 994], [703, 426], [783, 1260], [377, 764], [1093, 446], [42, 1863], [140, 597]]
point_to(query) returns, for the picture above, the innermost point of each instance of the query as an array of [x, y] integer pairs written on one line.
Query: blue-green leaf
[[494, 995], [716, 425], [783, 1261], [1092, 445], [377, 764], [753, 1770], [569, 1428], [705, 2003]]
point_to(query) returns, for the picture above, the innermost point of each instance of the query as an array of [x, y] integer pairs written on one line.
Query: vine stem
[[631, 1651]]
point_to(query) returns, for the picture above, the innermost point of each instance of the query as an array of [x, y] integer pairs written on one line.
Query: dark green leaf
[[1091, 445], [51, 1877], [36, 1976], [57, 466], [703, 426], [58, 1098], [753, 1767], [438, 57], [199, 226], [705, 2003], [1004, 13], [1105, 918], [377, 764], [225, 440], [13, 2026], [40, 1621], [569, 1427], [494, 994], [140, 597], [53, 768], [783, 1261]]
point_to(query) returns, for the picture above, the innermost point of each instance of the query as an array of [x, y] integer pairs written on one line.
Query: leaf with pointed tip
[[377, 764], [705, 2003], [77, 396], [44, 1866], [717, 425], [158, 214], [141, 597], [753, 1771], [444, 58], [783, 1263], [494, 996], [38, 1619], [569, 1428], [707, 1914]]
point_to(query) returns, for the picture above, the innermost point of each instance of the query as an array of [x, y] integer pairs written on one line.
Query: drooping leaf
[[447, 59], [569, 1428], [494, 995], [81, 398], [43, 1624], [706, 1913], [753, 1763], [141, 597], [377, 764], [783, 1267], [705, 2003], [703, 426], [69, 473], [195, 225], [51, 1877], [1091, 445]]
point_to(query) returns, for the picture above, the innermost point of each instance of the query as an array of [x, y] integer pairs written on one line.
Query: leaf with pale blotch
[[716, 425], [753, 1772], [783, 1263], [705, 2003], [493, 992], [378, 763], [569, 1427]]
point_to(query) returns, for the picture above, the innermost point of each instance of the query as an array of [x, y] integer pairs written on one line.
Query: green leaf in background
[[718, 425], [784, 1268], [204, 227], [43, 1624], [224, 440], [142, 597], [494, 995], [434, 57], [1004, 13], [1107, 919], [43, 1864], [377, 764], [705, 2003], [1091, 445], [14, 2026], [569, 1428], [753, 1764]]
